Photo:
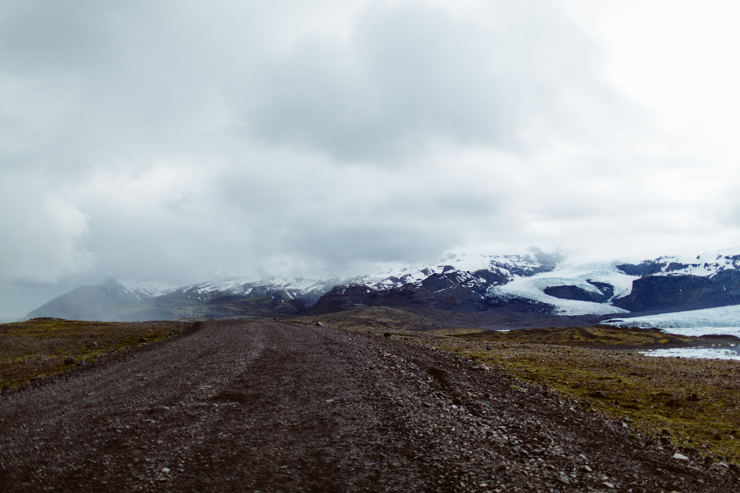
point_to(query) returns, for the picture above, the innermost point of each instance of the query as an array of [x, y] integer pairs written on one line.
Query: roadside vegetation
[[46, 346], [692, 403], [597, 336]]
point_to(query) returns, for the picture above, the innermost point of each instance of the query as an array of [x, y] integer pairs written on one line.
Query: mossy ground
[[38, 347], [601, 336], [696, 400]]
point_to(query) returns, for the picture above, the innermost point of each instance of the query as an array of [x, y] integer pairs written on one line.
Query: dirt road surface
[[272, 406]]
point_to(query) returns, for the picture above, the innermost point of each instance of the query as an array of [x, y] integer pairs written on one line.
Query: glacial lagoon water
[[709, 351], [724, 352]]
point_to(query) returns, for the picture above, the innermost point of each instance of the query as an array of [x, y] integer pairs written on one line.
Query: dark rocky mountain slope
[[538, 283]]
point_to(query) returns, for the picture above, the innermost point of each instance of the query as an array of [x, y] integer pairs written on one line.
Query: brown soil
[[272, 406]]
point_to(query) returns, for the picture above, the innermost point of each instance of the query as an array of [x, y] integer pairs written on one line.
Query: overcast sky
[[184, 141]]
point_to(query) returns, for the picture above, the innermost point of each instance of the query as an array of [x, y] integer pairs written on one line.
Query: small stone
[[608, 485], [721, 464], [142, 339], [562, 479], [586, 469], [678, 456], [165, 470]]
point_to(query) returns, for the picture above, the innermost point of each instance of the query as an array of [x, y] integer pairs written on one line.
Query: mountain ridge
[[537, 282]]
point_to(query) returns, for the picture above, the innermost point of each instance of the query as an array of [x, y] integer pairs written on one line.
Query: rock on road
[[272, 406]]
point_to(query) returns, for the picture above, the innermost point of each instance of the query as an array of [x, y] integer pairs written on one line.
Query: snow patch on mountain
[[533, 287], [146, 289], [234, 286], [245, 286], [704, 265], [387, 276]]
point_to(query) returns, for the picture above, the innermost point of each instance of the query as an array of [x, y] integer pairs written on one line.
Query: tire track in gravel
[[270, 406]]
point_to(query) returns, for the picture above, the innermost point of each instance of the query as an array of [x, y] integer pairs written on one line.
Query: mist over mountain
[[536, 283]]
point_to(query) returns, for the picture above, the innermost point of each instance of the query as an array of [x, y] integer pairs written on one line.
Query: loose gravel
[[267, 406]]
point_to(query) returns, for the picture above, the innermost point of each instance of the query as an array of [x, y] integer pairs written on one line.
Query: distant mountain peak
[[536, 281]]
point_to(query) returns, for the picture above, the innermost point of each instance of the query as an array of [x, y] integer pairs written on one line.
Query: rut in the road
[[269, 406]]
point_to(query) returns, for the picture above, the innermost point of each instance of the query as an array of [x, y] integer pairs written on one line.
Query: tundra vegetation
[[692, 403], [46, 346]]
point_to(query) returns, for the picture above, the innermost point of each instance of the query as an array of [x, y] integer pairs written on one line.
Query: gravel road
[[272, 406]]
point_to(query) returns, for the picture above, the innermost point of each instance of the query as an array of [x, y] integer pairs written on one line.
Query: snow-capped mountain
[[674, 283], [704, 265], [502, 267], [571, 289], [294, 287], [536, 282]]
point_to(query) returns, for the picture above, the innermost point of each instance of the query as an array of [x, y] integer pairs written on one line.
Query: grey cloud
[[42, 37], [42, 232], [413, 73], [182, 141], [338, 217]]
